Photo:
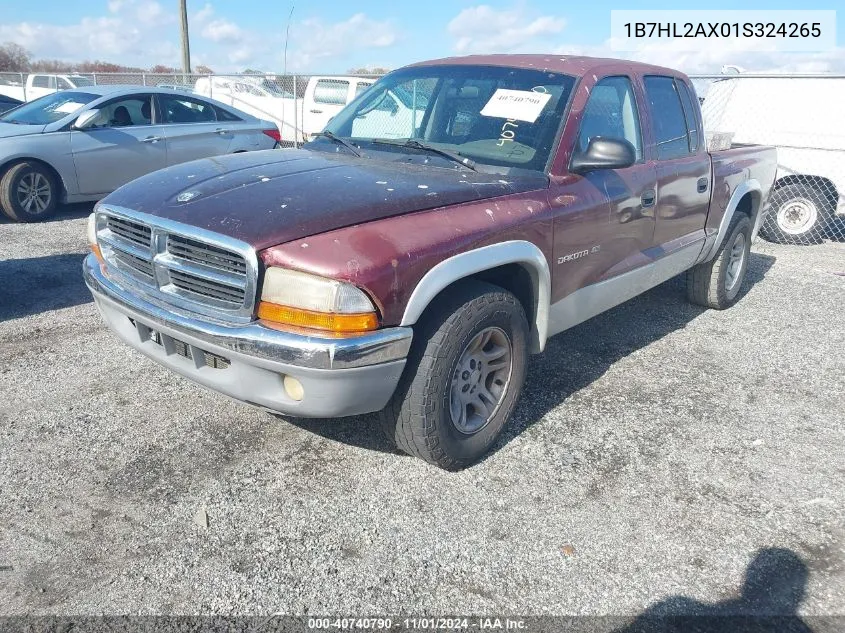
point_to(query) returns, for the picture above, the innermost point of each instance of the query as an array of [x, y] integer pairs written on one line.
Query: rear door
[[40, 85], [123, 143], [192, 130], [683, 167]]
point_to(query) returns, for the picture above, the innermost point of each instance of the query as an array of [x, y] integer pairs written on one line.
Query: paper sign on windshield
[[522, 105]]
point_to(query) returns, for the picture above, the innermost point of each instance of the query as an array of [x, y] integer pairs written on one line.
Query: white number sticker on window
[[522, 105]]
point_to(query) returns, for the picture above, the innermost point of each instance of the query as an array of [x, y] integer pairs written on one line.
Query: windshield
[[81, 81], [503, 117], [49, 108]]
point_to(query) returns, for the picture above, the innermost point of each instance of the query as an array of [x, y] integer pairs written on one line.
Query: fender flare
[[484, 258], [751, 186]]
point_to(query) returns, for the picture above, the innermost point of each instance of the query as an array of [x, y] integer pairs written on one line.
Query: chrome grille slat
[[206, 288], [185, 266], [135, 264], [197, 252], [135, 232]]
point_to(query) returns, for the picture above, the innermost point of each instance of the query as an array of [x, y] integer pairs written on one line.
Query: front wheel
[[28, 192], [463, 376]]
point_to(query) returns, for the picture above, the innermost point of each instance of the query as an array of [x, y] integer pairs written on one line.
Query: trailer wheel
[[799, 214]]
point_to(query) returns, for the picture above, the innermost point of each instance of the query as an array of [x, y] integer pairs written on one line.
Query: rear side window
[[186, 110], [331, 91], [225, 115], [690, 115], [41, 81], [611, 112], [670, 125]]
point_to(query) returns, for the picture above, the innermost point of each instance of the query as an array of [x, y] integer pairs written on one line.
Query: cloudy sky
[[334, 35]]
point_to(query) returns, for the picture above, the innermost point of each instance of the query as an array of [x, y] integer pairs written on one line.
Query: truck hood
[[276, 196], [13, 129]]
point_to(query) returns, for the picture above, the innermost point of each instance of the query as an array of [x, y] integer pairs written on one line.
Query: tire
[[799, 214], [14, 201], [716, 284], [470, 321]]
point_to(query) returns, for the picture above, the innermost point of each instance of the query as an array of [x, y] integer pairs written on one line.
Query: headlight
[[299, 299]]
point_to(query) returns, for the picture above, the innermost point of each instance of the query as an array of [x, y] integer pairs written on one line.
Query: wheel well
[[56, 177], [515, 279], [821, 184], [746, 205]]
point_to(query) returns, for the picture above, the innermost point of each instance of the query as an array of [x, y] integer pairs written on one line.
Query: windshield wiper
[[415, 144], [339, 140]]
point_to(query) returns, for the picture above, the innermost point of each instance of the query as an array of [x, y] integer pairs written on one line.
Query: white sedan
[[79, 145]]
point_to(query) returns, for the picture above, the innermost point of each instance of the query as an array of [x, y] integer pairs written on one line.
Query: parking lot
[[657, 450]]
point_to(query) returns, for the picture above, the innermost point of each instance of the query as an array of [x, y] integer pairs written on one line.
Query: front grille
[[138, 234], [206, 288], [205, 254], [191, 268]]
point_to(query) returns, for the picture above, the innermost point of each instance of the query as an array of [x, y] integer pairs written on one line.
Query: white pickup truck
[[299, 119], [40, 84]]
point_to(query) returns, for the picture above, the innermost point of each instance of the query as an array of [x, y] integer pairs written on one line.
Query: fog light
[[294, 388]]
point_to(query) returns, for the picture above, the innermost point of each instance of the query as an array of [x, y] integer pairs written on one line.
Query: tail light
[[274, 134]]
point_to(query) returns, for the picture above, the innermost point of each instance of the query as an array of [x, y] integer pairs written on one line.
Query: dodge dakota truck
[[412, 275]]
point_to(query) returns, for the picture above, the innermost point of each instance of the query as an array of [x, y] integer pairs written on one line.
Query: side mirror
[[604, 153], [85, 119]]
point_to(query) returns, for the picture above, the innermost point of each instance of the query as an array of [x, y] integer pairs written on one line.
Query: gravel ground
[[658, 454]]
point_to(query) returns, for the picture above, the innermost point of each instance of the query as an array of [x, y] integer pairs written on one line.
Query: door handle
[[316, 111], [222, 132], [702, 185], [648, 198], [151, 139]]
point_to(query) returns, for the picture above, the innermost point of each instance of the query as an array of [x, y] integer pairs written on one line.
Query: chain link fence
[[300, 105], [801, 115]]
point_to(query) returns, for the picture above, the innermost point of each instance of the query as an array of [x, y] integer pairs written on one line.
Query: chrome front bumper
[[339, 376]]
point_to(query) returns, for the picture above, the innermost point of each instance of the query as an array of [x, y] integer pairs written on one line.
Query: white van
[[803, 118]]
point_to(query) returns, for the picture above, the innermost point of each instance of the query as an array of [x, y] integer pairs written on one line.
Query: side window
[[690, 115], [41, 81], [178, 109], [611, 112], [331, 91], [670, 126], [124, 112], [225, 115]]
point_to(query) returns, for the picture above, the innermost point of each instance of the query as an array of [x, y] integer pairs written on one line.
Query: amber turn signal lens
[[97, 253], [328, 321]]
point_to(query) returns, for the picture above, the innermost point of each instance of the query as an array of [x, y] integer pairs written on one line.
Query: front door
[[605, 218], [121, 144]]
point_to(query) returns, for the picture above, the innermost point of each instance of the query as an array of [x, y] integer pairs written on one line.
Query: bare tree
[[14, 57]]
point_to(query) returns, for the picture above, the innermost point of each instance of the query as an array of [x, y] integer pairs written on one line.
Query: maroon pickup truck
[[443, 226]]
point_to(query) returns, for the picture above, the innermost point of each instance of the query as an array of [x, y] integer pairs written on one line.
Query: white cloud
[[223, 31], [483, 29], [314, 41], [711, 61]]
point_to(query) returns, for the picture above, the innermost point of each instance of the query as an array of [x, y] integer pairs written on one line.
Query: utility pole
[[186, 47]]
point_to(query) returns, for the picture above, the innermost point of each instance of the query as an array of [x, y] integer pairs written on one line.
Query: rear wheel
[[716, 284], [799, 214], [463, 376], [28, 192]]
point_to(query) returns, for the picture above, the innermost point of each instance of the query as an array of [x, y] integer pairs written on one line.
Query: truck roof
[[567, 64]]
